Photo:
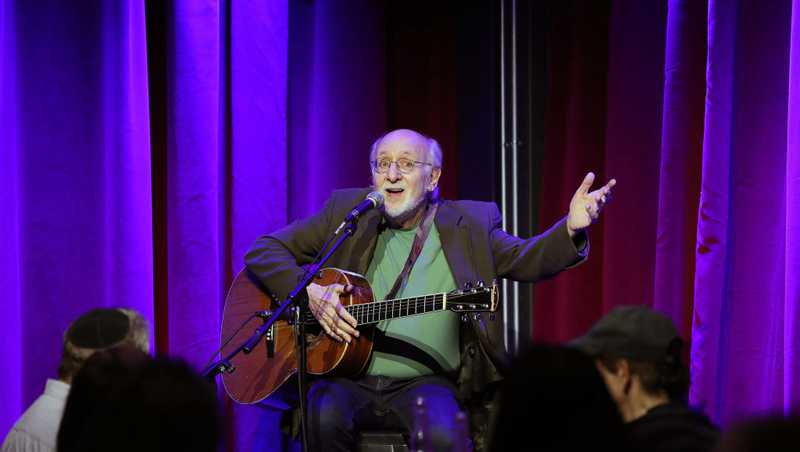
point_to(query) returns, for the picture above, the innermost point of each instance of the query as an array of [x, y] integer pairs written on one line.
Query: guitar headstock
[[477, 297]]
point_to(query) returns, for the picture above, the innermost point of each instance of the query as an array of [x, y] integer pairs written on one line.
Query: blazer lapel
[[456, 244], [364, 240]]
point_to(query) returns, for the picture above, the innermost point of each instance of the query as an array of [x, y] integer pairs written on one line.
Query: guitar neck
[[368, 313], [377, 311]]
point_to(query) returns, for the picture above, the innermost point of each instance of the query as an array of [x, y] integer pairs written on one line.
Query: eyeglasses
[[404, 165]]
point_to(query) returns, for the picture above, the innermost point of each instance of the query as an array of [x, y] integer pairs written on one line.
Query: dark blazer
[[474, 244]]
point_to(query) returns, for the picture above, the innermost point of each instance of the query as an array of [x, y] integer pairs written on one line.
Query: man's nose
[[393, 174]]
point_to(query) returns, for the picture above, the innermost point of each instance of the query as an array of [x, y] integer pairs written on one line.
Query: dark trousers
[[338, 408]]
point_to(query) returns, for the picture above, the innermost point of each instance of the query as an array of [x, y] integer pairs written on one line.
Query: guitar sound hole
[[313, 333]]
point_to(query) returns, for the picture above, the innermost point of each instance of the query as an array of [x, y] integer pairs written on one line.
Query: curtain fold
[[226, 169], [791, 334], [713, 240], [679, 164], [11, 397], [699, 121], [633, 133], [573, 144], [740, 284], [76, 179]]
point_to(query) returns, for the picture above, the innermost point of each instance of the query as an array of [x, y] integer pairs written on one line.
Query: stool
[[382, 441]]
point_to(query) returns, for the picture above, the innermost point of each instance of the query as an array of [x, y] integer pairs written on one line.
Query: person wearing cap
[[638, 353], [98, 329]]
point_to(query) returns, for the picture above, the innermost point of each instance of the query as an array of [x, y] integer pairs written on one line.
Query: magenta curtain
[[106, 204], [698, 120]]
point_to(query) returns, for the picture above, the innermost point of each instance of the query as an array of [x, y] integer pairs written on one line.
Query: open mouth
[[394, 191]]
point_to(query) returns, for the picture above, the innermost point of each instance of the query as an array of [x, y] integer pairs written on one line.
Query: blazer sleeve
[[277, 258], [538, 257]]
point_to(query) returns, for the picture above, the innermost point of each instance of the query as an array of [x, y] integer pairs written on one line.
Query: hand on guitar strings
[[324, 304]]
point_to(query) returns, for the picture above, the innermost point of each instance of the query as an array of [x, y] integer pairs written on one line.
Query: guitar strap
[[416, 249]]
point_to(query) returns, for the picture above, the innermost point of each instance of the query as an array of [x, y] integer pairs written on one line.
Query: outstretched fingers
[[588, 180]]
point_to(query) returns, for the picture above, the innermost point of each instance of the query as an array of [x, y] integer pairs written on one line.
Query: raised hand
[[324, 304], [585, 206]]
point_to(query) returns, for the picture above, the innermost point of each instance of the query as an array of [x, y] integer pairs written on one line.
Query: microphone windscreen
[[376, 197]]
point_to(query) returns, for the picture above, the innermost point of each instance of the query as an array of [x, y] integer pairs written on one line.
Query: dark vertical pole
[[522, 100], [157, 15]]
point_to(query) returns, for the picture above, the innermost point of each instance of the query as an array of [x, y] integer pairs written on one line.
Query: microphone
[[373, 200]]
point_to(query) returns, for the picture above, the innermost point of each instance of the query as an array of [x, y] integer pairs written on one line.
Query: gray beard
[[397, 220]]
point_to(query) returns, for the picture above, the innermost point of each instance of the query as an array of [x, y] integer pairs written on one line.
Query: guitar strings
[[365, 312]]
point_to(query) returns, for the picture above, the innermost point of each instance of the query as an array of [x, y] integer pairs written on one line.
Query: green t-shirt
[[422, 344]]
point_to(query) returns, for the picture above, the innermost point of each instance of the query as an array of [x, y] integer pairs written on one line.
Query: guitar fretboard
[[377, 311], [368, 313]]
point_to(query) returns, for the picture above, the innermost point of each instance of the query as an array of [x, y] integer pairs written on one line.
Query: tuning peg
[[468, 285], [481, 284]]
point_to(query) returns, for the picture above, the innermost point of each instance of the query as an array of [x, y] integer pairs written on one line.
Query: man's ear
[[624, 374], [434, 182]]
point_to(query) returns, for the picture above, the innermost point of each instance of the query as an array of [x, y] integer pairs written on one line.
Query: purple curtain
[[105, 205], [225, 178], [791, 333], [75, 183], [699, 119], [11, 396], [746, 298], [337, 92]]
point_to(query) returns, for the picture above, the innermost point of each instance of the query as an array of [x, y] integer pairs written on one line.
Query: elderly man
[[98, 329], [414, 245]]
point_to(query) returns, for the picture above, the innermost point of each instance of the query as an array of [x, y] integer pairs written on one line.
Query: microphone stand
[[298, 298]]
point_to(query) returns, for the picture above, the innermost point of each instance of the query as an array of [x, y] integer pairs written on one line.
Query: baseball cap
[[633, 332]]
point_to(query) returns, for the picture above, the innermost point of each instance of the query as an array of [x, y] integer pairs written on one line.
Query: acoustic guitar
[[273, 360]]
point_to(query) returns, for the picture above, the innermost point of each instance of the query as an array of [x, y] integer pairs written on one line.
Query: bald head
[[425, 145], [406, 166]]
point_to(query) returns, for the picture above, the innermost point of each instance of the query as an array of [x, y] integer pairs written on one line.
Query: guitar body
[[260, 373]]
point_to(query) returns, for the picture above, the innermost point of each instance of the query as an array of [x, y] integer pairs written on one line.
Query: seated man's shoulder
[[347, 196], [352, 192], [472, 209]]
